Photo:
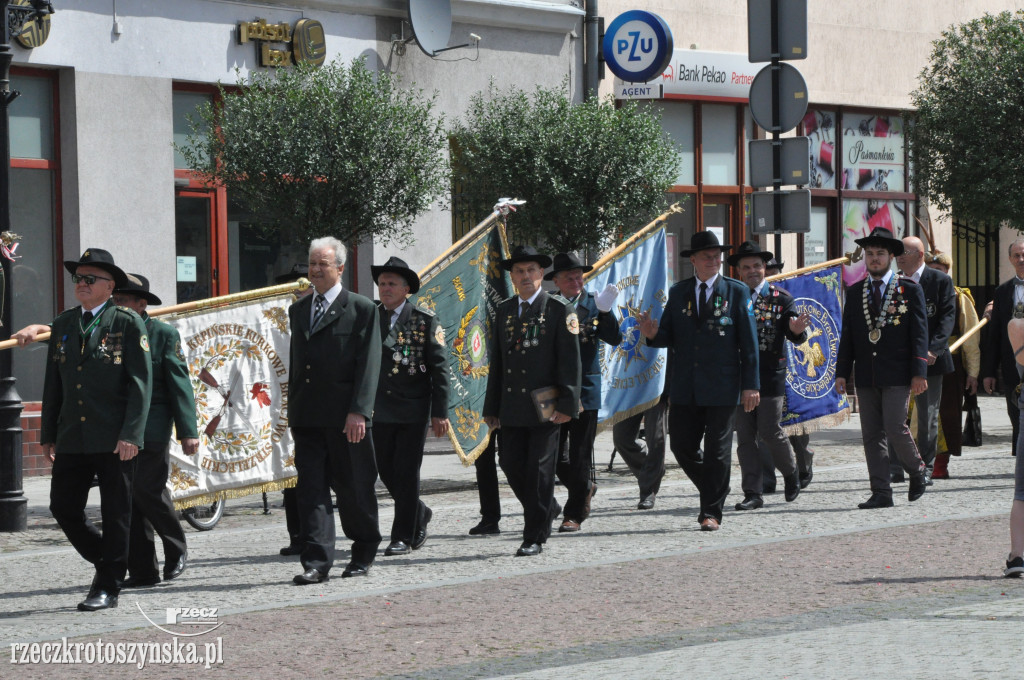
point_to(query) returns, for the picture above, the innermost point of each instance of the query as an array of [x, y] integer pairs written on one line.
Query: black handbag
[[972, 427]]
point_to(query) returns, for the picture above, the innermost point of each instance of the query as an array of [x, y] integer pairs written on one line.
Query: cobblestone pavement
[[813, 588]]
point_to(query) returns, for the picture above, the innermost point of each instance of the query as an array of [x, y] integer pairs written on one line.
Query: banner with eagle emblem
[[811, 400]]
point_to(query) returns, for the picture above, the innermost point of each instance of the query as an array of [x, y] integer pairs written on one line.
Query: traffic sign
[[637, 46], [794, 164], [792, 98], [790, 24], [780, 212]]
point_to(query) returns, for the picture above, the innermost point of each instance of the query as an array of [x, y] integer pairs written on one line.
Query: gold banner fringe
[[618, 417], [237, 492], [818, 424]]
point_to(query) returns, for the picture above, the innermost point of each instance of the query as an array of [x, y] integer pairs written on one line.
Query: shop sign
[[305, 42], [695, 74], [637, 46]]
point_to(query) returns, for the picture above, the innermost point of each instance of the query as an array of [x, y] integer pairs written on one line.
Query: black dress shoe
[[528, 549], [355, 569], [918, 484], [175, 570], [646, 502], [292, 549], [792, 487], [750, 502], [140, 581], [485, 528], [309, 577], [398, 548], [768, 488], [99, 599], [421, 534], [928, 478], [877, 500], [897, 478], [805, 478]]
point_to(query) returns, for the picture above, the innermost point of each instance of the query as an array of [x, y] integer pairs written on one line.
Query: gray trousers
[[883, 418], [927, 406], [646, 462], [762, 423]]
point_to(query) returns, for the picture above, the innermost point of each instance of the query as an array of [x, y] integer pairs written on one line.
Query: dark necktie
[[319, 306], [877, 296], [524, 307], [702, 298], [385, 323], [86, 318]]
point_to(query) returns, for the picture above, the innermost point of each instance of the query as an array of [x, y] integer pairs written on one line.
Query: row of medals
[[766, 326], [405, 346], [533, 326], [875, 330]]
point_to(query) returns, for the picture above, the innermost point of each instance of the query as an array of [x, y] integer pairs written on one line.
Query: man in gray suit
[[335, 364]]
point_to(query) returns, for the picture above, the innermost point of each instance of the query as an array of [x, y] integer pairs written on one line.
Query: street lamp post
[[13, 504]]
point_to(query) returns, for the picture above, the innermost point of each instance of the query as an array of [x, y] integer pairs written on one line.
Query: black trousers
[[527, 457], [486, 466], [399, 451], [291, 516], [154, 511], [708, 472], [69, 492], [324, 458], [1014, 413], [576, 461]]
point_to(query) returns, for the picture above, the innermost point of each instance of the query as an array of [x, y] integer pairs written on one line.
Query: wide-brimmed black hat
[[774, 264], [564, 262], [526, 254], [750, 249], [704, 240], [137, 284], [397, 266], [880, 236], [102, 259], [297, 272]]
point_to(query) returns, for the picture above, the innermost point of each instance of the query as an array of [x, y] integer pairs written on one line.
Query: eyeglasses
[[88, 278]]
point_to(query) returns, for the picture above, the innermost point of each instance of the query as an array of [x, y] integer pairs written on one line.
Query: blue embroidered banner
[[811, 399], [633, 374]]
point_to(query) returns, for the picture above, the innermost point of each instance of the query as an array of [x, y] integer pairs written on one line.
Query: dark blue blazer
[[777, 307], [902, 351], [594, 325], [996, 348], [940, 308], [715, 355]]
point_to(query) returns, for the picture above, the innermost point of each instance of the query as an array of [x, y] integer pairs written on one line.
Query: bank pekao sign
[[637, 46], [694, 74]]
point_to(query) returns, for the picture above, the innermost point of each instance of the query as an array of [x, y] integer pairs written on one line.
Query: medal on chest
[[892, 307]]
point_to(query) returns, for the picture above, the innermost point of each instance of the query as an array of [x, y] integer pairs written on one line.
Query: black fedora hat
[[880, 236], [774, 264], [102, 259], [397, 266], [704, 240], [564, 262], [137, 284], [526, 254], [297, 272], [750, 249]]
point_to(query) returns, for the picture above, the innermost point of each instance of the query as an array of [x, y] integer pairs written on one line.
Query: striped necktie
[[319, 308]]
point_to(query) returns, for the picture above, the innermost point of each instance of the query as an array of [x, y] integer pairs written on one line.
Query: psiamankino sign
[[238, 364]]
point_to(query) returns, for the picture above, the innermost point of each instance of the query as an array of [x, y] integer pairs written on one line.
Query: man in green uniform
[[95, 402], [173, 404]]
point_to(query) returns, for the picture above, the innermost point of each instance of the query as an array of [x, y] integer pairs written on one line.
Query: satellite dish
[[431, 22]]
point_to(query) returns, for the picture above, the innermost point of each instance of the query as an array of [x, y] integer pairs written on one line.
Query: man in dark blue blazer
[[709, 323], [885, 337], [335, 363], [576, 437], [940, 309], [996, 351]]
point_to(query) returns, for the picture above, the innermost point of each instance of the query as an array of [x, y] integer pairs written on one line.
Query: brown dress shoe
[[568, 526], [709, 524]]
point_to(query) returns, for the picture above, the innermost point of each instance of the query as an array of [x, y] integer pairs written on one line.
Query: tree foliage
[[965, 139], [336, 150], [590, 173]]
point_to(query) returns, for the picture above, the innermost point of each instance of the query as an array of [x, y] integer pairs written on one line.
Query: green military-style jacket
[[173, 400], [413, 383], [97, 392]]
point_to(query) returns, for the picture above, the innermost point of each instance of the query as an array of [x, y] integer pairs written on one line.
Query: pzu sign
[[637, 46]]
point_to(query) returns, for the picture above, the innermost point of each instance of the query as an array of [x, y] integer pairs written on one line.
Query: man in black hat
[[709, 323], [885, 336], [96, 395], [412, 389], [335, 364], [172, 406], [777, 319], [533, 387], [576, 437]]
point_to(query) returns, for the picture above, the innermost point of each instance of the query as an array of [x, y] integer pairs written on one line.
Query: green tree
[[590, 173], [336, 150], [965, 138]]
